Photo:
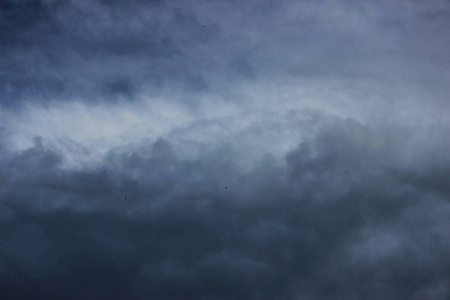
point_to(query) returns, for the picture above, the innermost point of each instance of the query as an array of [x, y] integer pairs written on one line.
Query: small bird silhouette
[[226, 187], [126, 198], [203, 26]]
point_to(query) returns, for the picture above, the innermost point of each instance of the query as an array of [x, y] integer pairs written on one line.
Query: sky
[[224, 149]]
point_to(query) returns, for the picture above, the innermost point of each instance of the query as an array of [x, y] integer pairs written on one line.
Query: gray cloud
[[336, 222], [224, 150], [76, 50], [69, 49]]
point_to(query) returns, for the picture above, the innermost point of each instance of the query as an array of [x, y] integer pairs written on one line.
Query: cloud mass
[[224, 150]]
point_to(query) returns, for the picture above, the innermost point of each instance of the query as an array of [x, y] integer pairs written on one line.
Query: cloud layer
[[220, 150]]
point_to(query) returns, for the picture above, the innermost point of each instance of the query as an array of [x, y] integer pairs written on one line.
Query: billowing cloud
[[224, 150]]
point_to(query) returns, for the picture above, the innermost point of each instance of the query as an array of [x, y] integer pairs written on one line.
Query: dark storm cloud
[[77, 50], [222, 206], [74, 49], [337, 222]]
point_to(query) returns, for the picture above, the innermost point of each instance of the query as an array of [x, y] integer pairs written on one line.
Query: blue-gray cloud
[[339, 220], [224, 150]]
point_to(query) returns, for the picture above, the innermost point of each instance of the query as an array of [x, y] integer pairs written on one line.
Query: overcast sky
[[224, 149]]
